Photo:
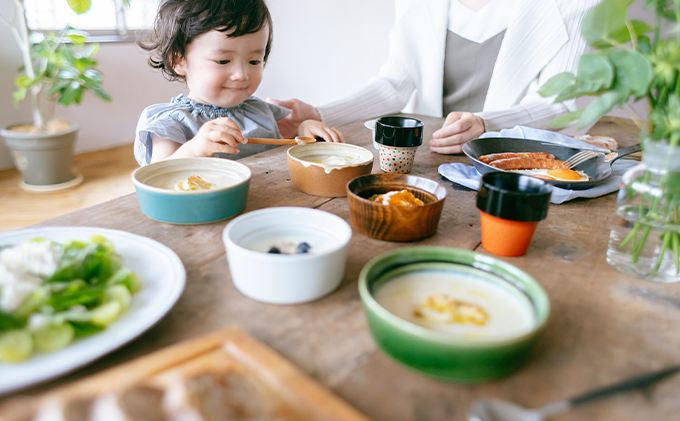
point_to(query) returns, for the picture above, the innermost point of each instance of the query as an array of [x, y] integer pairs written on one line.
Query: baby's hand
[[313, 128], [221, 135]]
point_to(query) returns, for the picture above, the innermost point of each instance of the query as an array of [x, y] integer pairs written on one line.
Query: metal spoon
[[297, 141], [497, 410]]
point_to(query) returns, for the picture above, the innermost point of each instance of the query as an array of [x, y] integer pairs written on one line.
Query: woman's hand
[[221, 135], [313, 128], [458, 128], [300, 111]]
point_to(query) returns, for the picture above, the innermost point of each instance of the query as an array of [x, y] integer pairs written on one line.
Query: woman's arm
[[387, 94], [535, 110]]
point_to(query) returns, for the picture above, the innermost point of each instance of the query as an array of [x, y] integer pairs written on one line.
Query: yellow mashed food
[[194, 182], [397, 198]]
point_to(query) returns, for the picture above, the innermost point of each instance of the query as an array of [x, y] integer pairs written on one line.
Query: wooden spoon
[[297, 140]]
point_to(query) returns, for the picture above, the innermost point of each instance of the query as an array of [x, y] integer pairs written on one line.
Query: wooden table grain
[[604, 325]]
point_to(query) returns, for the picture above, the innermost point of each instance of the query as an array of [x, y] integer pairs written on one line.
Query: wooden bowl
[[322, 179], [395, 223]]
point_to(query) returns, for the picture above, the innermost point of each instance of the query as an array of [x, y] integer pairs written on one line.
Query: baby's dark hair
[[180, 21]]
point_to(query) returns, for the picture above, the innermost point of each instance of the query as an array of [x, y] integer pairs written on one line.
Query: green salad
[[52, 293]]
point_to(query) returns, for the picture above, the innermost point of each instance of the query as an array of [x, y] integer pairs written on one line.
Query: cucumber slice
[[106, 313], [118, 293], [53, 336], [15, 345], [33, 302]]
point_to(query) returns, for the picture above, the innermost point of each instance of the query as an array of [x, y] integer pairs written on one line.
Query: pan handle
[[623, 152]]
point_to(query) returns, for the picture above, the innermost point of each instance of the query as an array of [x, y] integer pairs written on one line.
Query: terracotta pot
[[318, 179]]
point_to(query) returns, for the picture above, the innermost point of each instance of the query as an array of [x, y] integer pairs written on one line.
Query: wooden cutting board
[[291, 393]]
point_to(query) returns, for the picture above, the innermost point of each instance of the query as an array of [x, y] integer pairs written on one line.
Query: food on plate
[[52, 293], [537, 164], [559, 174], [528, 163], [456, 303], [290, 248], [605, 142], [505, 155], [397, 198], [193, 182]]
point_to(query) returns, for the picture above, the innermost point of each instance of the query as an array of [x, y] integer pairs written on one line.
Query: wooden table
[[604, 325]]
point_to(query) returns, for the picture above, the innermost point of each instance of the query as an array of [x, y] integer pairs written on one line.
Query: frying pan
[[598, 169]]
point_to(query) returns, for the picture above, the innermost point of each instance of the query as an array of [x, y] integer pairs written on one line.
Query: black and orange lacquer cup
[[511, 206]]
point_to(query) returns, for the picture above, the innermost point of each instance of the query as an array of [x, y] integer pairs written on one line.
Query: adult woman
[[477, 62]]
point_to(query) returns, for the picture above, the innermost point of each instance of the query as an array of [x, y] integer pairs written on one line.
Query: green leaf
[[599, 107], [9, 321], [578, 89], [79, 6], [87, 296], [556, 84], [639, 28], [85, 328], [77, 39], [633, 70], [564, 119], [595, 69], [603, 21], [645, 45]]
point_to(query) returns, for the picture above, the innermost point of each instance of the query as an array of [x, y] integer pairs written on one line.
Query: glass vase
[[645, 236]]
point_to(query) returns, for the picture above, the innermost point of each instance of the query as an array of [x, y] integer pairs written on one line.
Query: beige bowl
[[324, 169]]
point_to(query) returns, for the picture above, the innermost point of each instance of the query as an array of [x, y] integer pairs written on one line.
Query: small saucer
[[48, 188]]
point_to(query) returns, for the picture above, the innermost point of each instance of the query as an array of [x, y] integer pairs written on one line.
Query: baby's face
[[224, 71]]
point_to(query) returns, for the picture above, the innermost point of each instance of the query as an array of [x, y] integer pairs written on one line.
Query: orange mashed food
[[397, 198]]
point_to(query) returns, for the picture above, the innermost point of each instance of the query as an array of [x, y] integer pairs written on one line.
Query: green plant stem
[[631, 236], [637, 251], [664, 246]]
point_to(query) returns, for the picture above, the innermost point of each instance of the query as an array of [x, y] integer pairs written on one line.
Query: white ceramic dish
[[287, 279], [162, 275], [370, 124]]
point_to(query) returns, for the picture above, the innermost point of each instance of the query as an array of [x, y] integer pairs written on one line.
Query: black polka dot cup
[[397, 139]]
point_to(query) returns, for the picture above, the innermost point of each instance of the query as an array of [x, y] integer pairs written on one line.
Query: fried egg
[[556, 174]]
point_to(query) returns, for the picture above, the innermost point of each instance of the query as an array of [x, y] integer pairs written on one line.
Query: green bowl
[[443, 355]]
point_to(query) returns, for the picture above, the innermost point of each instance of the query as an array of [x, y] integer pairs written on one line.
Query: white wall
[[322, 50]]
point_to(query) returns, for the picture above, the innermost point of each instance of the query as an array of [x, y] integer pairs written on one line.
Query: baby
[[219, 48]]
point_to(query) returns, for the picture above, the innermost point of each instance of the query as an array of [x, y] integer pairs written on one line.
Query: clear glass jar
[[645, 236]]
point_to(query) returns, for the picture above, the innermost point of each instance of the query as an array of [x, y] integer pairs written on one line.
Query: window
[[105, 17]]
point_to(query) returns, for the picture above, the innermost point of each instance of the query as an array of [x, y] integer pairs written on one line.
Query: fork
[[580, 158]]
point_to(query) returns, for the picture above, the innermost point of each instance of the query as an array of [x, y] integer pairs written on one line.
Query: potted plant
[[57, 69], [640, 61]]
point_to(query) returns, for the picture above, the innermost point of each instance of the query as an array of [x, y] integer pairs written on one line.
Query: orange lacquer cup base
[[505, 237]]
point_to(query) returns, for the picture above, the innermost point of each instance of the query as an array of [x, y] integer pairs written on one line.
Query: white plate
[[162, 276]]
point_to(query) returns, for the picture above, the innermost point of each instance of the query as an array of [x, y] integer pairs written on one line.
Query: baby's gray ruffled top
[[180, 119]]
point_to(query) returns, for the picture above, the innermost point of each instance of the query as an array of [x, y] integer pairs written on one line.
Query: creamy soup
[[331, 161], [289, 241], [458, 304], [216, 179]]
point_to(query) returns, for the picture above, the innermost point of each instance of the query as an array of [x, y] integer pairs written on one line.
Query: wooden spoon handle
[[261, 141], [271, 141]]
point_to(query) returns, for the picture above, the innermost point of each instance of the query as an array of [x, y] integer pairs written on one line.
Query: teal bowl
[[447, 355], [226, 197]]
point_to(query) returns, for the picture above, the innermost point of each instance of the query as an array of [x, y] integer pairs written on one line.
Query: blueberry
[[274, 250], [303, 248]]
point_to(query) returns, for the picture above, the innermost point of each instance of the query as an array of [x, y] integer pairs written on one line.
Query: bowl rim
[[306, 164], [226, 239], [444, 338], [225, 161], [355, 196]]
